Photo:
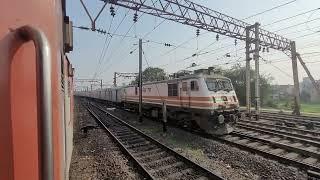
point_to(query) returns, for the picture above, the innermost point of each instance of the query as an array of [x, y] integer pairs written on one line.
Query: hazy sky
[[88, 46]]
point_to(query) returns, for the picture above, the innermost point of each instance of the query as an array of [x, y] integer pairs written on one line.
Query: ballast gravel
[[95, 156], [228, 161]]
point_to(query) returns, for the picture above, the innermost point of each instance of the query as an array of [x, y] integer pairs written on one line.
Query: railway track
[[156, 160], [286, 119], [297, 132], [280, 151], [301, 150], [301, 117]]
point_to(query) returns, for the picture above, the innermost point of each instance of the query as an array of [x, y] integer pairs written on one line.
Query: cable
[[301, 31], [288, 27], [291, 17], [103, 50], [281, 5], [307, 35], [276, 67], [111, 36]]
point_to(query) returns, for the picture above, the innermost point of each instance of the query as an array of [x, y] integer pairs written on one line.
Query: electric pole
[[254, 29], [296, 89], [256, 60], [248, 71], [140, 80], [115, 79]]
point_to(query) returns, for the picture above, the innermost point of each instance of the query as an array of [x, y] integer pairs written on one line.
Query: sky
[[99, 56]]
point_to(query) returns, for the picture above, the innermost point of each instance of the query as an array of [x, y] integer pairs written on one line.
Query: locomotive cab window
[[194, 85], [172, 89], [219, 85]]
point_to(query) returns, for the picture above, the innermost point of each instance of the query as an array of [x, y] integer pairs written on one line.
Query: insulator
[[112, 11], [135, 17], [228, 55], [259, 48], [264, 49], [267, 49], [198, 32], [235, 42], [217, 37]]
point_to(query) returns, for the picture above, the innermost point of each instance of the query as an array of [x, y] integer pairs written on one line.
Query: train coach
[[36, 90], [201, 100]]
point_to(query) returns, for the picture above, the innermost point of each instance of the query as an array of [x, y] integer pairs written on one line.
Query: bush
[[270, 103]]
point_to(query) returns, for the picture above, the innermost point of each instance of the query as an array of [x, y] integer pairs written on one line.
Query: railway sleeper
[[151, 157], [129, 136], [137, 145], [156, 150], [281, 133], [133, 139], [183, 173], [167, 170], [137, 142], [286, 147], [160, 162]]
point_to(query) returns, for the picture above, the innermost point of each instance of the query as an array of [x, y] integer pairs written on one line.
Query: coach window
[[184, 86], [172, 89], [194, 86]]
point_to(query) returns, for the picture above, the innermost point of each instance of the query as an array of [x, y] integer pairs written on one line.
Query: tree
[[305, 96], [237, 75], [151, 74]]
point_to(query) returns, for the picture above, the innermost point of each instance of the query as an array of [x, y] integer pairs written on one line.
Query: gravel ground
[[229, 162], [95, 156]]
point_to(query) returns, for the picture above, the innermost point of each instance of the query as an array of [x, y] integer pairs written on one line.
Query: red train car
[[36, 94]]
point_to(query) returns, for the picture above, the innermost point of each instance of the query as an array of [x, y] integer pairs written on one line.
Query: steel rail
[[271, 155], [282, 134], [278, 145], [283, 129], [205, 171], [312, 170], [303, 118]]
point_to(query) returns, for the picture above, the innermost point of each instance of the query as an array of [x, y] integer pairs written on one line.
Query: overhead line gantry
[[192, 14]]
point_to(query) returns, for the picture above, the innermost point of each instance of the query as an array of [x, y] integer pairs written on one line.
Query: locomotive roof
[[191, 76]]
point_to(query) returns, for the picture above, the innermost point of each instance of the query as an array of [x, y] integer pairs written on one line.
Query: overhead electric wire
[[276, 7], [288, 27], [103, 50], [317, 27], [111, 36], [300, 14], [197, 53], [306, 35]]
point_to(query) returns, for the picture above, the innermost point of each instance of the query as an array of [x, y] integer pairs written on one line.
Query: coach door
[[185, 94]]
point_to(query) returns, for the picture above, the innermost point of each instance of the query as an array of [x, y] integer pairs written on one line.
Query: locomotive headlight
[[221, 119]]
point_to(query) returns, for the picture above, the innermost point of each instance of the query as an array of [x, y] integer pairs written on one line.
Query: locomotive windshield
[[218, 84]]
